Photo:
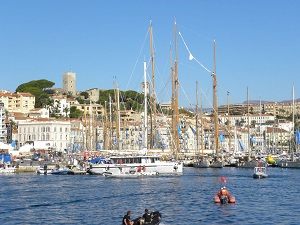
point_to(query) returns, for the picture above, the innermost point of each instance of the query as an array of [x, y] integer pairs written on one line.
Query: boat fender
[[157, 173], [175, 167]]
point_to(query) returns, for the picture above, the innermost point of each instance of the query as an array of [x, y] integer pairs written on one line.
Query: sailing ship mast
[[293, 121], [214, 75], [145, 125], [117, 98], [202, 127], [153, 124], [105, 146], [197, 127], [248, 125], [176, 93], [228, 122]]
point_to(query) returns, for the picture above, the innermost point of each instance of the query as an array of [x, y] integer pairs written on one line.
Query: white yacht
[[143, 163]]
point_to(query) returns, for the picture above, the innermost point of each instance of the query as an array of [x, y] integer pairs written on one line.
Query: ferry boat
[[145, 162]]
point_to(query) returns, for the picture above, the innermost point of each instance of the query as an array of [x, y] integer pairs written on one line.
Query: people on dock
[[126, 219]]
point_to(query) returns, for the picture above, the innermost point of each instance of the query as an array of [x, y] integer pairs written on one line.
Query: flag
[[193, 130], [13, 144], [187, 135], [221, 137], [252, 139], [241, 146], [155, 145], [127, 134], [74, 148], [178, 128], [297, 136], [98, 146], [158, 136], [223, 179]]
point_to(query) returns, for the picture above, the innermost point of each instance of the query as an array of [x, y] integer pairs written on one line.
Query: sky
[[106, 42]]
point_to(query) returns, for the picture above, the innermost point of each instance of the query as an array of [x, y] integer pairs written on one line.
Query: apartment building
[[21, 102], [2, 123]]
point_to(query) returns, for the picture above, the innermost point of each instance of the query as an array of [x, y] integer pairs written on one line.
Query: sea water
[[27, 198]]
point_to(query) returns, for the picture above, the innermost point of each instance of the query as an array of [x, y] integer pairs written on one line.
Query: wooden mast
[[214, 75], [202, 126], [117, 99], [248, 125], [228, 121], [176, 92], [197, 126], [153, 136], [105, 127], [173, 102]]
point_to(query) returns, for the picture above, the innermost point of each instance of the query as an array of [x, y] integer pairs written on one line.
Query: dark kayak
[[156, 219]]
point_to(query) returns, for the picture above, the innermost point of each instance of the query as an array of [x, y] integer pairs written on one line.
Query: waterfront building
[[277, 139], [21, 102], [55, 131], [2, 123], [69, 83], [243, 119]]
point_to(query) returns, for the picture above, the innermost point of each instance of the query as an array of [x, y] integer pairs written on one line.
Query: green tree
[[40, 89], [75, 113]]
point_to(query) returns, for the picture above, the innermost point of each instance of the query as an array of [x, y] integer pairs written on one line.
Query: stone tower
[[69, 83]]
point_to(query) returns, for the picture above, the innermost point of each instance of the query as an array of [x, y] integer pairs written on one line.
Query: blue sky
[[257, 45]]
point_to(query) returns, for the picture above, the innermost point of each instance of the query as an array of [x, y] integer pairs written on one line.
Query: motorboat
[[224, 199], [60, 171], [46, 170], [149, 163], [260, 172], [156, 218], [7, 168], [223, 195]]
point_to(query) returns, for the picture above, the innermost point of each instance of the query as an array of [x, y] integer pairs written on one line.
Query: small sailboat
[[260, 172]]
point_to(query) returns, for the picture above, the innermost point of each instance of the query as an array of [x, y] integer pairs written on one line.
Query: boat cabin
[[133, 159]]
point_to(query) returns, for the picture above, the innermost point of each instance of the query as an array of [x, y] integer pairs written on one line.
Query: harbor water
[[27, 198]]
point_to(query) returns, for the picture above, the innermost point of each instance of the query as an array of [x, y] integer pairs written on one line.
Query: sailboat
[[132, 164], [218, 162], [292, 163], [248, 162], [201, 162]]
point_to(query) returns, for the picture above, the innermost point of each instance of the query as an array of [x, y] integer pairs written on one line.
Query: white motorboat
[[139, 163], [260, 172], [7, 168]]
